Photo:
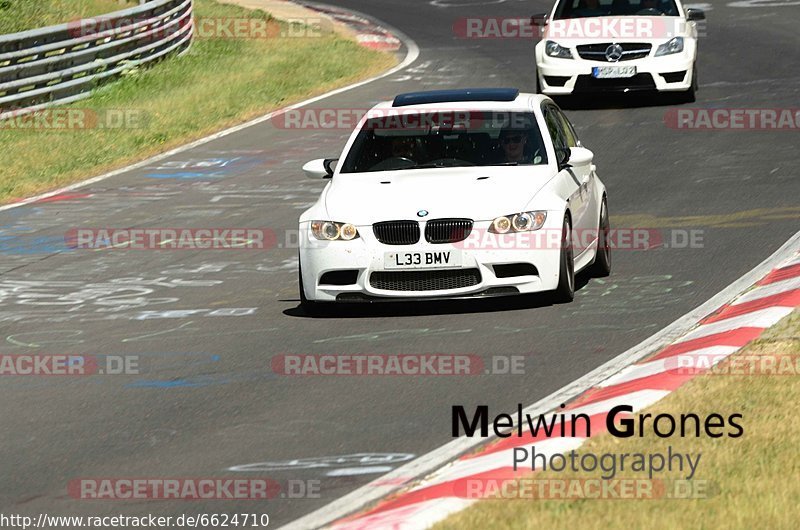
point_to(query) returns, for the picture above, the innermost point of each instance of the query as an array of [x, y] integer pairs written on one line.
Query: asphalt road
[[207, 399]]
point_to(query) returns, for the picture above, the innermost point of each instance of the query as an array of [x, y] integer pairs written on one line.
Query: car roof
[[465, 99]]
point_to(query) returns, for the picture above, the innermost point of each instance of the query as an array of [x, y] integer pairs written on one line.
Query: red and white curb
[[717, 336], [368, 33]]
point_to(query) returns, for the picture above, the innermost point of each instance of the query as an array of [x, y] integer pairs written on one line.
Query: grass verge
[[220, 82], [21, 15], [751, 480]]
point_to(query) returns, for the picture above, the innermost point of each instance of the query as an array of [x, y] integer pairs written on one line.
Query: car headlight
[[518, 222], [554, 49], [674, 45], [332, 231]]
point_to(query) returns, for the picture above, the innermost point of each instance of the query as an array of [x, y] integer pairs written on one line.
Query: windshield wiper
[[505, 164], [434, 166]]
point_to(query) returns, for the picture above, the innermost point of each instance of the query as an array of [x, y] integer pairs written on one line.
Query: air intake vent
[[448, 230], [674, 77], [345, 277], [556, 80], [397, 232], [512, 270], [425, 280]]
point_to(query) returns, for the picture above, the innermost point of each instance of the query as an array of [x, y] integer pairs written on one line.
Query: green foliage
[[21, 15], [219, 82]]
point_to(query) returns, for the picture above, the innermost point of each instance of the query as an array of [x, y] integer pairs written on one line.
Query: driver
[[512, 143]]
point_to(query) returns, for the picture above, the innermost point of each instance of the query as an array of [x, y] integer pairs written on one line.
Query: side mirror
[[539, 19], [319, 168], [695, 14], [563, 155], [580, 156]]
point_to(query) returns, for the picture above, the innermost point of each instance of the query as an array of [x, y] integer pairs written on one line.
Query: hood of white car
[[480, 193], [620, 29]]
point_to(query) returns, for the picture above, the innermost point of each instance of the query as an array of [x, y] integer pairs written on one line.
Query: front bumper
[[480, 274], [574, 76]]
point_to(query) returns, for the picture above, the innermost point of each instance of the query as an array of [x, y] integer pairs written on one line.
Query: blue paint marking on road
[[184, 176], [176, 353], [203, 381], [78, 360], [213, 168], [173, 383], [26, 245], [16, 237]]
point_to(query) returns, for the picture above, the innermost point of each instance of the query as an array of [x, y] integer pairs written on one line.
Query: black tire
[[690, 95], [309, 307], [565, 292], [538, 83], [602, 259]]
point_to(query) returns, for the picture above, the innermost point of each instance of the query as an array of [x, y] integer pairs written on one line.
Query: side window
[[554, 127], [566, 127]]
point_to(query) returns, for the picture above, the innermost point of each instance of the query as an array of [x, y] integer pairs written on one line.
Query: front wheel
[[602, 259], [690, 95], [309, 307], [565, 292]]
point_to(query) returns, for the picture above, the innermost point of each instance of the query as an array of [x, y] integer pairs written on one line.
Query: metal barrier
[[61, 64]]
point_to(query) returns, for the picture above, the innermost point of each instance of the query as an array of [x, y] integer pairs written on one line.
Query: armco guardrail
[[61, 64]]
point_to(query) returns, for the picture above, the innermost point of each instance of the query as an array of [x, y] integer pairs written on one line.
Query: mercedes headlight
[[674, 45], [554, 49], [518, 222], [332, 231]]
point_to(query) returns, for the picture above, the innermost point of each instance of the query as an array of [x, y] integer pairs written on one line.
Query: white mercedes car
[[451, 194], [591, 46]]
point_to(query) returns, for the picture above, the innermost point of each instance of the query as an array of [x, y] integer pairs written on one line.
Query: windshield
[[601, 8], [413, 140]]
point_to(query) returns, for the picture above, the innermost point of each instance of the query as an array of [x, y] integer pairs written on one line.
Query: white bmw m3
[[454, 194]]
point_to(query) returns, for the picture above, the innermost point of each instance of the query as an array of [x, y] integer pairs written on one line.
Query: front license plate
[[422, 260], [611, 72]]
